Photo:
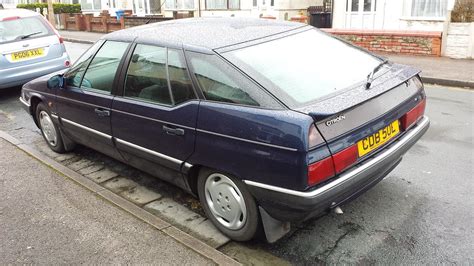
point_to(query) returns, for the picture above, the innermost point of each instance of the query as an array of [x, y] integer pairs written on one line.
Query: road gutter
[[191, 242]]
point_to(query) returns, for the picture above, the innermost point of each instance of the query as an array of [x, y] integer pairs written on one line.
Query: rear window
[[17, 29], [304, 67]]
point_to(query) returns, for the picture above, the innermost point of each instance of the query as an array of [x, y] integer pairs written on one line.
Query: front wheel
[[228, 204], [49, 130]]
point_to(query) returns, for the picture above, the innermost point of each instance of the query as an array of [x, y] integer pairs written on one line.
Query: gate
[[321, 16]]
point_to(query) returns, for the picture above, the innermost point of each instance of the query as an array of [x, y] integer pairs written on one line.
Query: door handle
[[102, 112], [173, 131]]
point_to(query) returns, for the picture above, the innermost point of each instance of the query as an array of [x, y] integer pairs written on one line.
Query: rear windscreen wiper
[[21, 37], [370, 77]]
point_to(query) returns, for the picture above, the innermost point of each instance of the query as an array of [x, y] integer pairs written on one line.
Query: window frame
[[227, 6], [126, 64]]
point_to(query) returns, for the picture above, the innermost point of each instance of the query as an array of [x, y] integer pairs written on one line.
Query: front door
[[360, 14], [84, 103], [154, 121], [141, 7]]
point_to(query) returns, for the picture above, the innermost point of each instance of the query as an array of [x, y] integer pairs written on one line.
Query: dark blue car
[[266, 122]]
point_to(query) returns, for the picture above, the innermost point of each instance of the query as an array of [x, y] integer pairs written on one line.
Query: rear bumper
[[291, 205], [16, 76]]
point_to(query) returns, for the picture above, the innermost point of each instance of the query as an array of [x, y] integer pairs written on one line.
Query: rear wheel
[[228, 204], [49, 130]]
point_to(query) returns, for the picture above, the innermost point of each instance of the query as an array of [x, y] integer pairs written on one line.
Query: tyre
[[228, 204], [49, 130]]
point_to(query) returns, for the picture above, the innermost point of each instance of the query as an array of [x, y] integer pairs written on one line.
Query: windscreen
[[18, 29], [303, 67]]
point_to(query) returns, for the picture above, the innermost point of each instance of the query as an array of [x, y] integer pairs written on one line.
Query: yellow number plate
[[27, 54], [371, 143]]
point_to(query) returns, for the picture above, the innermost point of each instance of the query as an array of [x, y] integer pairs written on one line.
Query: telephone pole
[[51, 13]]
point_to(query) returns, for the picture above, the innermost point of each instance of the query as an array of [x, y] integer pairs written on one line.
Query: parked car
[[267, 122], [29, 47]]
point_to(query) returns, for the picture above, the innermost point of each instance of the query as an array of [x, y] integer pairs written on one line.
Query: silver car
[[29, 47]]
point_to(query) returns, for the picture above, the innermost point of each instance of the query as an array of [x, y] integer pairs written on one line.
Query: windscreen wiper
[[21, 37], [370, 77]]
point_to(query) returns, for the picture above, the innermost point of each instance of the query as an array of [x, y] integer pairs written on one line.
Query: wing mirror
[[55, 82]]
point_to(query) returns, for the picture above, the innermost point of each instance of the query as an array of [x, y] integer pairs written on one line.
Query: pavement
[[435, 70], [47, 219]]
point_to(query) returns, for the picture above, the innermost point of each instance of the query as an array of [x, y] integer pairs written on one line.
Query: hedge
[[463, 11], [58, 7]]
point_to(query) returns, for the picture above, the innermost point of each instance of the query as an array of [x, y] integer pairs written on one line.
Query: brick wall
[[104, 23], [400, 42]]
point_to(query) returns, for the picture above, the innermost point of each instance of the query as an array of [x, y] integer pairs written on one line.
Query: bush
[[58, 7], [463, 11]]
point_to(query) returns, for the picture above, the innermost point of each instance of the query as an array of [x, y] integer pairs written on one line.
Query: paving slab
[[82, 163], [102, 175], [65, 157], [91, 169], [187, 221], [132, 191]]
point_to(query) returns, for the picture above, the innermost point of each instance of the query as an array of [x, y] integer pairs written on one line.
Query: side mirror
[[55, 82]]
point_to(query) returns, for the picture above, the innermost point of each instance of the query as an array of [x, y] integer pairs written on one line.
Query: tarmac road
[[421, 213]]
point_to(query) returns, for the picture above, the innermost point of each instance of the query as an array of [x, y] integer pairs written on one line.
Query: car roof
[[207, 33], [17, 12]]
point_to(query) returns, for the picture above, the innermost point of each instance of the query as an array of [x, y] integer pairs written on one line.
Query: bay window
[[426, 8], [179, 4]]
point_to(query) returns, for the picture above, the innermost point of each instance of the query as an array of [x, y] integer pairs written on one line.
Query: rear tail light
[[67, 63], [314, 138], [412, 116], [345, 158], [320, 171]]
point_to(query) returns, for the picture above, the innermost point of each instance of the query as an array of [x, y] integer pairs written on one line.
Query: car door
[[84, 103], [154, 120]]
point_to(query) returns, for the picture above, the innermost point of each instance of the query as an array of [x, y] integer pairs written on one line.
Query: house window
[[254, 2], [426, 8], [90, 5], [179, 4], [222, 4]]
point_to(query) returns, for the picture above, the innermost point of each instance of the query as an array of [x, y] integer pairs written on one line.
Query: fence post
[[104, 17], [122, 22], [88, 20]]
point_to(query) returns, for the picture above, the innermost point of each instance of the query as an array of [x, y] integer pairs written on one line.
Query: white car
[[29, 47]]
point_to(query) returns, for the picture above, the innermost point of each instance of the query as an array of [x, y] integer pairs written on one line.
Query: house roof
[[209, 33]]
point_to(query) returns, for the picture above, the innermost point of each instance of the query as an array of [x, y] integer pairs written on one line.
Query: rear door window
[[159, 75], [222, 83], [101, 72], [16, 29]]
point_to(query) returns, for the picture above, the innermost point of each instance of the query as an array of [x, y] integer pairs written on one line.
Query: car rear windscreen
[[17, 29], [304, 67]]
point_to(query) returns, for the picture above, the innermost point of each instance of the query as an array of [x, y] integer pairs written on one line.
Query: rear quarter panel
[[267, 146]]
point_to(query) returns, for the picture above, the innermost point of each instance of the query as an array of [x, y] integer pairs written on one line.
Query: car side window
[[146, 75], [222, 83], [100, 74], [180, 82], [148, 72], [74, 75]]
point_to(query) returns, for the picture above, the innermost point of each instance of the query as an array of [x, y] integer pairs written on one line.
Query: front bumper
[[291, 205], [15, 76]]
